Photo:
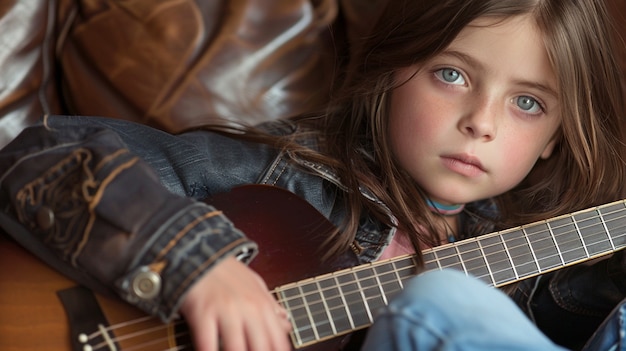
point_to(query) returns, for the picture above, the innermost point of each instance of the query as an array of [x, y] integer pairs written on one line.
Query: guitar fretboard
[[323, 307]]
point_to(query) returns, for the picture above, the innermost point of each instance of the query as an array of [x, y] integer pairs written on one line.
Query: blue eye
[[450, 76], [528, 104]]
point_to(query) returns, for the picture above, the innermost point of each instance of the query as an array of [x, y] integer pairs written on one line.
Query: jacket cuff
[[192, 242]]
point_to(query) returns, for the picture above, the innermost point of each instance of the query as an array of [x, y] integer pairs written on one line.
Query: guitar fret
[[508, 255], [331, 324], [310, 331], [501, 270], [337, 305], [293, 302], [567, 238], [543, 247], [404, 269], [606, 228], [531, 250], [345, 303], [407, 269], [430, 261], [492, 282], [520, 253], [616, 223], [354, 300], [592, 231], [361, 290], [436, 259], [582, 242], [381, 283], [447, 258], [372, 291], [389, 280], [458, 254], [558, 249], [314, 304], [474, 260], [308, 315]]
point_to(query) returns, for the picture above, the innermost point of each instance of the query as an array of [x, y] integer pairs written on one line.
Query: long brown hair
[[587, 167]]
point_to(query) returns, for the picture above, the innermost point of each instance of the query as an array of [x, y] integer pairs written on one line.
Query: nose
[[480, 119]]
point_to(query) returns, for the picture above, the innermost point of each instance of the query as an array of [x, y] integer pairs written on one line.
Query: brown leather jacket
[[171, 64]]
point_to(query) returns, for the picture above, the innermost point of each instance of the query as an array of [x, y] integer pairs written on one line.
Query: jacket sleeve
[[81, 201], [568, 305]]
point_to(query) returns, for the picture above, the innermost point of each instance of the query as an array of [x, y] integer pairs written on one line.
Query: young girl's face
[[474, 120]]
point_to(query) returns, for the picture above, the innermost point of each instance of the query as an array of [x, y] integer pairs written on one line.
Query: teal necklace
[[445, 210]]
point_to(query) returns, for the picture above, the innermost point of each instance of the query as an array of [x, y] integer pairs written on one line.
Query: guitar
[[325, 300]]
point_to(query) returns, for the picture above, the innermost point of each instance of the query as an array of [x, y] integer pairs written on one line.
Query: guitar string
[[130, 335], [303, 297], [323, 321], [549, 238], [511, 248], [146, 344], [306, 297], [455, 264]]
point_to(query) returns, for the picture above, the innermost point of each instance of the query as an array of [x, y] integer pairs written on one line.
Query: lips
[[464, 165]]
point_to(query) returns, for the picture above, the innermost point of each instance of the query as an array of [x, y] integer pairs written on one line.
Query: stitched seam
[[280, 173], [184, 232], [93, 203], [272, 170], [107, 159]]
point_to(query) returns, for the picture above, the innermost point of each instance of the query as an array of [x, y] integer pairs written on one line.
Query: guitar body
[[32, 317], [288, 230]]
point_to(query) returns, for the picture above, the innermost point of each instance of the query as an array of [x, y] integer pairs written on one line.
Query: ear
[[547, 151]]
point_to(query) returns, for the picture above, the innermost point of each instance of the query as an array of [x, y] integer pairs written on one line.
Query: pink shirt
[[400, 245]]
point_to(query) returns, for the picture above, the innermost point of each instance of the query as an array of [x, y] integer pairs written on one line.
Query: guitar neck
[[344, 301]]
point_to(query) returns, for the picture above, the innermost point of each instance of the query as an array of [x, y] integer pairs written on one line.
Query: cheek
[[410, 131], [416, 115], [517, 160]]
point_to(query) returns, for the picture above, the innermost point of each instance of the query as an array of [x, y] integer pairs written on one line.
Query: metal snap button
[[45, 218], [146, 285]]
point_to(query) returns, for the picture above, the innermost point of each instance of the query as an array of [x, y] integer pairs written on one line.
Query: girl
[[457, 118]]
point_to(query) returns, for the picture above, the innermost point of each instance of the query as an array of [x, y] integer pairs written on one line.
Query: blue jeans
[[446, 310]]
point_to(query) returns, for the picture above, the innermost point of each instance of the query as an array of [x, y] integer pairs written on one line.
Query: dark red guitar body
[[290, 234]]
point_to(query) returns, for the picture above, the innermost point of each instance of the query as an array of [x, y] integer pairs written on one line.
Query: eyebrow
[[469, 60]]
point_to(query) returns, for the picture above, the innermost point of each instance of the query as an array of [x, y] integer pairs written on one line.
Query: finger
[[281, 326], [207, 339], [283, 318], [233, 334], [278, 334], [271, 334], [278, 310]]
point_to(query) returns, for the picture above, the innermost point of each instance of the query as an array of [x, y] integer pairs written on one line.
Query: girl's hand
[[231, 309]]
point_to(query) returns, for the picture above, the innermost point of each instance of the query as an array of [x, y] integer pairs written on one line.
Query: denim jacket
[[117, 204], [117, 207]]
